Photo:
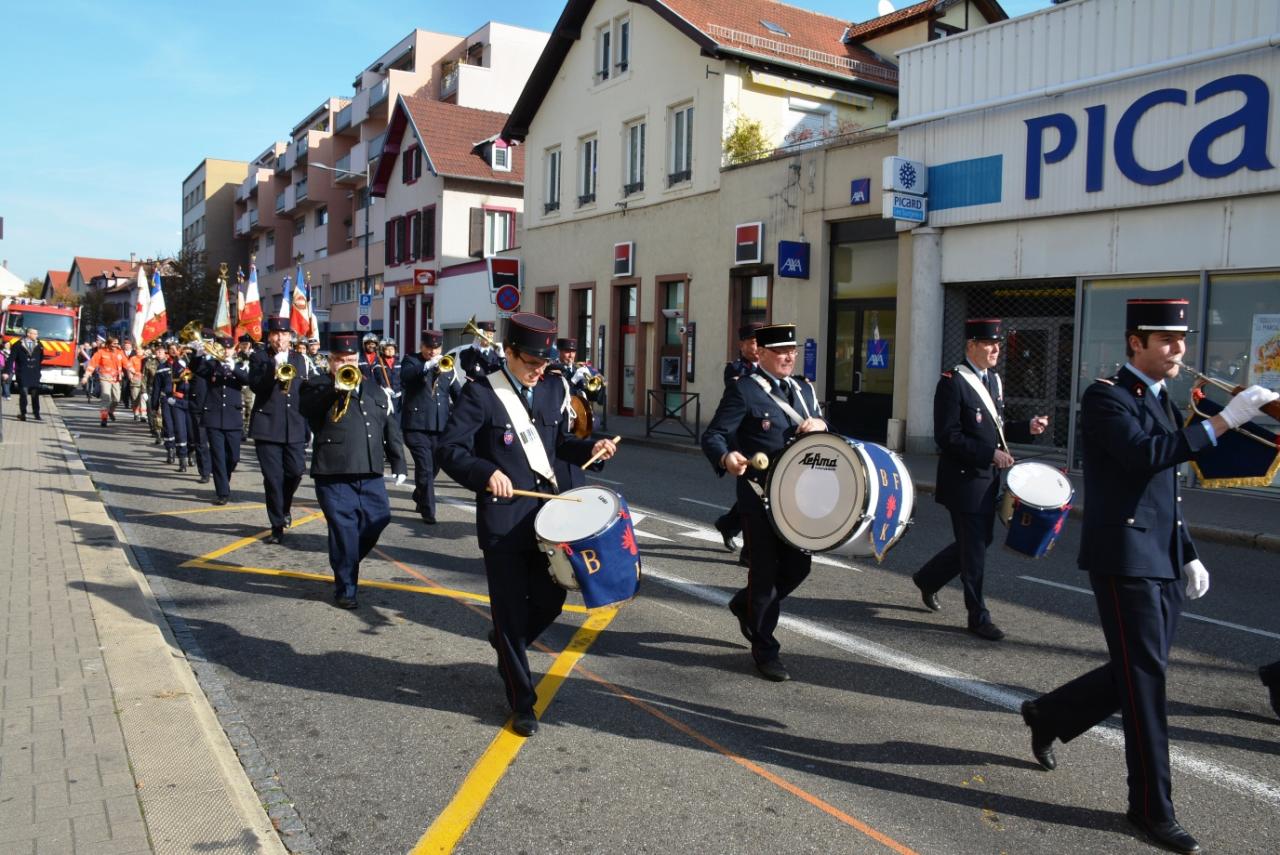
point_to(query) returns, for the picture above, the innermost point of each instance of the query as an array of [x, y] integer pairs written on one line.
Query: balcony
[[342, 123], [350, 175], [280, 200], [253, 218], [282, 163], [242, 224], [379, 93], [449, 83], [242, 191], [298, 152], [300, 190], [376, 144]]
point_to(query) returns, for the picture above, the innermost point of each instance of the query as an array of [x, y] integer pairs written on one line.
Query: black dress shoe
[[38, 418], [929, 598], [741, 614], [493, 639], [525, 724], [427, 518], [288, 520], [1168, 834], [987, 630], [22, 417], [744, 558], [221, 500], [772, 669], [1041, 737], [203, 479], [277, 535], [347, 603], [727, 536]]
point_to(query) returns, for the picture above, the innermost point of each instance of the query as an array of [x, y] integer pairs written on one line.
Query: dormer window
[[776, 29], [500, 156], [613, 49]]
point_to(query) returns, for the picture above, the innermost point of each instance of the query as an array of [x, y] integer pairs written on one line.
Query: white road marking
[[1226, 776], [721, 508], [650, 535], [1187, 615], [603, 480]]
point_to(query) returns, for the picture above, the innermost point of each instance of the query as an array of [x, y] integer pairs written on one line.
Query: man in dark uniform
[[730, 524], [562, 371], [222, 415], [198, 444], [245, 346], [355, 435], [972, 438], [277, 425], [760, 413], [27, 357], [1136, 549], [170, 393], [428, 395], [482, 358], [503, 434]]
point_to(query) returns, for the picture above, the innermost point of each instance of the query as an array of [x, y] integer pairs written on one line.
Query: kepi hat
[[531, 334]]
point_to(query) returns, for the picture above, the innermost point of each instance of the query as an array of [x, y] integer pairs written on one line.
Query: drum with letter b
[[1037, 498], [591, 546], [830, 493]]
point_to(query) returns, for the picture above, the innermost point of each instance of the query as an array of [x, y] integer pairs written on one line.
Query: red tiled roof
[[58, 278], [91, 267], [450, 133], [990, 9]]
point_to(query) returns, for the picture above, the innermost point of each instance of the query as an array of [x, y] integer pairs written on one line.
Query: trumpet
[[445, 364], [185, 376], [472, 329], [594, 383], [347, 379], [190, 336], [285, 374]]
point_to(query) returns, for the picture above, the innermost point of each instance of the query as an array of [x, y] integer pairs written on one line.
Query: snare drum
[[830, 493], [591, 546], [1037, 499]]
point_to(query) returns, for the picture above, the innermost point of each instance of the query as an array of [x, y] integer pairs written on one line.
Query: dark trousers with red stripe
[[1139, 616], [524, 601], [775, 570]]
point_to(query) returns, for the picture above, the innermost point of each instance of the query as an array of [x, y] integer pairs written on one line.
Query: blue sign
[[902, 206], [878, 353], [793, 259], [810, 359], [366, 299], [860, 191]]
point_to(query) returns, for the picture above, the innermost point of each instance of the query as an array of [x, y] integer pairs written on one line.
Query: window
[[775, 29], [322, 216], [581, 315], [624, 44], [271, 237], [497, 230], [393, 247], [681, 154], [588, 150], [634, 180], [604, 51], [808, 122], [411, 166], [545, 303], [299, 225], [613, 48], [415, 235], [362, 198], [427, 249], [317, 296], [552, 192], [501, 156]]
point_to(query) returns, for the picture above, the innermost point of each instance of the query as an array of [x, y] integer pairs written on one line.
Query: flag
[[140, 305], [156, 322], [300, 318], [222, 318], [249, 306]]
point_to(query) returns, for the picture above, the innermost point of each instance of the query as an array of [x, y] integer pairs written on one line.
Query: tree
[[35, 287], [190, 289]]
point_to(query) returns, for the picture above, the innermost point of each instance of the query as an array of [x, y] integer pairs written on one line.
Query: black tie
[[526, 395], [1168, 408], [991, 385], [787, 392]]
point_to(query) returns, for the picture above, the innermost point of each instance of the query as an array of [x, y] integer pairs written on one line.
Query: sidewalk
[[107, 744], [1236, 517]]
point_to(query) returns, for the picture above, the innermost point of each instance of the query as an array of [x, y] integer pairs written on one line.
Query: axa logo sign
[[1240, 135], [793, 259]]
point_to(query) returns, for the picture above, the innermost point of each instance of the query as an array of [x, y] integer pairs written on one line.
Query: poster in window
[[1264, 351], [670, 371]]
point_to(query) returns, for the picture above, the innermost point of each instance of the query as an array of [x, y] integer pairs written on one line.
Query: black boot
[[182, 464], [168, 455]]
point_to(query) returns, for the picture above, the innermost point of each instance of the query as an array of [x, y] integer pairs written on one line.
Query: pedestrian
[[502, 436], [356, 436], [729, 524], [1141, 561], [222, 414], [108, 366], [429, 394], [26, 357], [973, 443], [131, 382], [760, 414], [277, 426]]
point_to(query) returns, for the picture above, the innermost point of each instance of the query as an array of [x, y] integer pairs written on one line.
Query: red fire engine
[[59, 328]]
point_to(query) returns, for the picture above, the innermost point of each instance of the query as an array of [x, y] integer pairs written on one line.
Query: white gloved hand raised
[[1197, 579], [1246, 406], [282, 357]]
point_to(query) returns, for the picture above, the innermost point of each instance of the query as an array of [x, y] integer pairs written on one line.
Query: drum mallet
[[600, 453], [760, 461]]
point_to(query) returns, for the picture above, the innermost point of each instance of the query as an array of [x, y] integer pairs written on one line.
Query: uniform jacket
[[110, 363], [428, 395], [967, 440], [379, 373], [749, 420], [275, 416], [479, 440], [168, 383], [223, 406], [476, 363], [362, 441], [1133, 522], [738, 368], [23, 366]]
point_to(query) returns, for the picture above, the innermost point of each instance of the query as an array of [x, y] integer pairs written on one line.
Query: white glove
[[1246, 406], [1197, 579], [171, 401], [400, 479], [391, 400], [197, 346], [582, 375], [282, 357]]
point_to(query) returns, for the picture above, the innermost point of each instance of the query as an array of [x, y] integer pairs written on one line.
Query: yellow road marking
[[245, 541], [452, 823], [200, 511]]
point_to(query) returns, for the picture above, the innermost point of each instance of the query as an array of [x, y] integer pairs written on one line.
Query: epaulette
[[1108, 380], [946, 374]]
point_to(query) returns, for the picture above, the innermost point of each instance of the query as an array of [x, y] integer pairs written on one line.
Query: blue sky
[[107, 105]]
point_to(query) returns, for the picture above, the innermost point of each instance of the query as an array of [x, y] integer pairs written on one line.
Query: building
[[11, 284], [652, 244], [85, 269], [55, 285], [1116, 165], [305, 199], [208, 210], [453, 198]]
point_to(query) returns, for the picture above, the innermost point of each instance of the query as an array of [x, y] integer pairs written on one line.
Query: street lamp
[[368, 189]]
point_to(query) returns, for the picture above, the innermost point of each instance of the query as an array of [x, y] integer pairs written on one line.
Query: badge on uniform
[[508, 438], [977, 414], [765, 424]]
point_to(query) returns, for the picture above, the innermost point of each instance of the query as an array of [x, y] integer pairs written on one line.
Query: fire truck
[[59, 328]]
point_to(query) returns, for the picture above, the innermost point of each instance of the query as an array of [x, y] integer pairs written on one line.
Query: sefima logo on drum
[[814, 460]]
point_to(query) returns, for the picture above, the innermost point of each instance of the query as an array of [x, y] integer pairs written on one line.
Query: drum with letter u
[[591, 546], [830, 493], [1037, 498]]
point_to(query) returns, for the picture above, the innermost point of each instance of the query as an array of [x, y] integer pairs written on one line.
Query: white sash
[[786, 408], [534, 451], [971, 377]]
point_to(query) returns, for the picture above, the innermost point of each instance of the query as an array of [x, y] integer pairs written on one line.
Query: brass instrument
[[594, 383], [185, 376], [285, 374], [346, 381], [472, 329], [1197, 392], [584, 420], [445, 364], [190, 335]]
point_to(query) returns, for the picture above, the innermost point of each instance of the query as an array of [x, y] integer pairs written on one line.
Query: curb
[[239, 798]]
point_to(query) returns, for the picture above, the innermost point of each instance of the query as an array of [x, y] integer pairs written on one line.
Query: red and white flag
[[301, 320], [156, 321], [140, 305], [249, 307]]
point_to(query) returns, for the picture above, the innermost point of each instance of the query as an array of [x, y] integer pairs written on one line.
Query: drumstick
[[759, 460], [598, 454], [532, 495]]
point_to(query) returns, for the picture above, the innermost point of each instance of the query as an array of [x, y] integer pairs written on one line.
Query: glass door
[[860, 368], [626, 297]]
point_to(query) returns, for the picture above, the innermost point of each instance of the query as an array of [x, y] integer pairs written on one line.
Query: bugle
[[1272, 409], [285, 374], [445, 364]]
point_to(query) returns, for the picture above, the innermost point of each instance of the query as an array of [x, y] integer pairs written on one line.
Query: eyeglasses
[[534, 364]]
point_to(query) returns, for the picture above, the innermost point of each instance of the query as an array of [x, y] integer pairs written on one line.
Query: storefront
[[1148, 172]]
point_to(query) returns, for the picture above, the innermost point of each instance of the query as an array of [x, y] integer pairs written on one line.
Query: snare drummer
[[972, 438], [504, 433], [760, 413]]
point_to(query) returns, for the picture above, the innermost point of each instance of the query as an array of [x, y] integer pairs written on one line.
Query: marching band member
[[170, 394], [760, 413], [730, 524], [503, 434], [1137, 551], [152, 405], [482, 358], [222, 415], [355, 435], [568, 476], [972, 436], [388, 372], [244, 348], [369, 355], [198, 445], [428, 396], [277, 425]]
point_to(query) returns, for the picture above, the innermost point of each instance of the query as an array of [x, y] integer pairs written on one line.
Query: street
[[898, 732]]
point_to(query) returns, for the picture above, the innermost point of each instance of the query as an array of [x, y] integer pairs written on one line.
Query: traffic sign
[[363, 322], [507, 298], [366, 300]]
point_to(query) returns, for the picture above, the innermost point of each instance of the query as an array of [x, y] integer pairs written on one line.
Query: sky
[[107, 105]]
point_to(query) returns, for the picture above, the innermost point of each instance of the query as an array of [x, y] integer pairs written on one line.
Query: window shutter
[[475, 236], [519, 229], [389, 244], [411, 246], [402, 245], [428, 233]]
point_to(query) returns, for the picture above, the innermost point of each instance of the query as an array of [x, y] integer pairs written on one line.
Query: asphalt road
[[899, 731]]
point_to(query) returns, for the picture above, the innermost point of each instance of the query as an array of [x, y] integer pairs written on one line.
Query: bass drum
[[829, 493]]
